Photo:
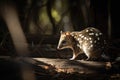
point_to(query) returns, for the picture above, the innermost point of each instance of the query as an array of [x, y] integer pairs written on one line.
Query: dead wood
[[72, 66]]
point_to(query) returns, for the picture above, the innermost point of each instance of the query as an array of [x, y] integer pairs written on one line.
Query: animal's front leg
[[76, 52], [73, 57]]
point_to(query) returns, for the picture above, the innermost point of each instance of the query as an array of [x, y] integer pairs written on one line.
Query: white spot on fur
[[91, 41], [95, 41], [98, 38], [96, 34], [87, 30], [91, 45], [100, 33], [78, 39], [85, 38], [91, 33], [90, 38], [80, 34]]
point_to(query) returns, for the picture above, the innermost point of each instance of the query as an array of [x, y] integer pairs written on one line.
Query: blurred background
[[38, 22]]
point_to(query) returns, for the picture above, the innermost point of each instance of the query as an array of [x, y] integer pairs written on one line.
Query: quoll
[[89, 41]]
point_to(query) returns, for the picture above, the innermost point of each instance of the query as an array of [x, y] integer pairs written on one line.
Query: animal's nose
[[58, 47]]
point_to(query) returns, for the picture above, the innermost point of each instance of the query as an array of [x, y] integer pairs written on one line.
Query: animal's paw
[[71, 58]]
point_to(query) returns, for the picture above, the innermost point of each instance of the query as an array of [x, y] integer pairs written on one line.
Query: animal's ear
[[67, 33], [61, 32]]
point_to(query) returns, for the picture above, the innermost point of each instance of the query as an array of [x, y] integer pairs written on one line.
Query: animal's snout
[[58, 47]]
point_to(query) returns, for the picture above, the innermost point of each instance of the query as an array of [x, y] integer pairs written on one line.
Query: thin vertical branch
[[109, 19]]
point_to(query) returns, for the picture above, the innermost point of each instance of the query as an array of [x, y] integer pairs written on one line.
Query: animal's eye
[[64, 42]]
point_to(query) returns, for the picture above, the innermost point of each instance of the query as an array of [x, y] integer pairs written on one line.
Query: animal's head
[[65, 40]]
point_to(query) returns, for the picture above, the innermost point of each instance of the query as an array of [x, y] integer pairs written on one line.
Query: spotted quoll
[[89, 41]]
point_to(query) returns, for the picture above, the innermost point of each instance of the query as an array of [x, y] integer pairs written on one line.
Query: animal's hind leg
[[93, 58]]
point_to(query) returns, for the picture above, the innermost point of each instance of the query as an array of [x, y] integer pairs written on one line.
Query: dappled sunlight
[[56, 15], [44, 22]]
